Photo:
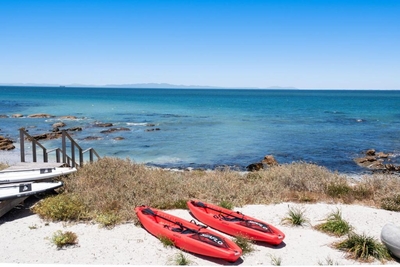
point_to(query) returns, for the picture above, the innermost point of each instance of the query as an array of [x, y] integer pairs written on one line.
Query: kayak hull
[[390, 237], [200, 241], [235, 223]]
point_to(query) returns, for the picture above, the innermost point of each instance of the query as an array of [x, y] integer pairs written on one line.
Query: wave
[[145, 124]]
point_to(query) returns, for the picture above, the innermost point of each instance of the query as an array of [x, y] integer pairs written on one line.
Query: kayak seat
[[182, 231], [230, 219]]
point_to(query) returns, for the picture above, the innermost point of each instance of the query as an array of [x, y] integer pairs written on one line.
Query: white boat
[[7, 205], [30, 175], [20, 190], [390, 237]]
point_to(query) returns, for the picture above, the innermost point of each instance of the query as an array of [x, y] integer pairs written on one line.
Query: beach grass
[[181, 259], [335, 225], [246, 244], [166, 241], [363, 247], [295, 217], [109, 189]]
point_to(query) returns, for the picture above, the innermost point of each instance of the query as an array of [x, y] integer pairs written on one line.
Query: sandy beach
[[26, 239]]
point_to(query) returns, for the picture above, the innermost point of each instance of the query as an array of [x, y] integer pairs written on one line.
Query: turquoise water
[[208, 128]]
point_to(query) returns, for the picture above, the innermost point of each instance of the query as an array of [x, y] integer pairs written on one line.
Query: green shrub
[[108, 220], [295, 217], [338, 190], [335, 225], [226, 204], [364, 248], [244, 243], [63, 207], [391, 203], [363, 192], [62, 239]]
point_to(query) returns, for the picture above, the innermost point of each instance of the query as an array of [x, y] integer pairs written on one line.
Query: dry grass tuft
[[3, 166]]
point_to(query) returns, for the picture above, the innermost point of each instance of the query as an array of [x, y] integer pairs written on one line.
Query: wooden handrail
[[66, 159]]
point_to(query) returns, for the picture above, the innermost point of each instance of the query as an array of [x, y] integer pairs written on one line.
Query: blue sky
[[304, 44]]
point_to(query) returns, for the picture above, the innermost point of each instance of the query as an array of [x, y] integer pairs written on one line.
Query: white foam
[[137, 123]]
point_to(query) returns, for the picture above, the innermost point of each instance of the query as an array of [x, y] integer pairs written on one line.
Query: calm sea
[[205, 128]]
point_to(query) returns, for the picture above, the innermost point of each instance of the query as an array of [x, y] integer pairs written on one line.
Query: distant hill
[[143, 85]]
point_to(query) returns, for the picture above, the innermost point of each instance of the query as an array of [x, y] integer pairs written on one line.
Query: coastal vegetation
[[335, 225], [62, 239], [167, 242], [106, 191], [363, 247], [295, 217], [246, 244], [181, 259]]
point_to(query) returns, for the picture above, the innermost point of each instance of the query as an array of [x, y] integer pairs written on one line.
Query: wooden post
[[64, 147], [22, 144], [73, 154], [34, 151], [45, 156]]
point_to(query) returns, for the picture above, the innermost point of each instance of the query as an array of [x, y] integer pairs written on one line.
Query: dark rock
[[383, 155], [6, 144], [111, 130], [2, 116], [255, 167], [392, 168], [58, 124], [269, 160], [370, 152], [108, 124], [40, 115], [54, 135], [152, 129], [74, 129], [68, 117], [376, 161], [46, 136]]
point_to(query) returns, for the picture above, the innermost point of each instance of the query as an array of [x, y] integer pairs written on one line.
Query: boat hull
[[235, 223], [188, 236], [28, 175], [19, 190], [390, 237]]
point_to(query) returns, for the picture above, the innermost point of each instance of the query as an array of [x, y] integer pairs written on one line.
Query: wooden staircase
[[70, 153]]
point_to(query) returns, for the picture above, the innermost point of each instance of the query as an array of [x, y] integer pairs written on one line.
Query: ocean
[[208, 128]]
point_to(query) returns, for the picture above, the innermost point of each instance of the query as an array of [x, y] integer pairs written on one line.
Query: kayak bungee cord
[[249, 223]]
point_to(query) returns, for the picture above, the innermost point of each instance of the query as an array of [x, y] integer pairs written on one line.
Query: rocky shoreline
[[370, 160]]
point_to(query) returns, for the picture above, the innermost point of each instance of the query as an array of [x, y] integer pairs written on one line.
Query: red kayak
[[235, 223], [188, 236]]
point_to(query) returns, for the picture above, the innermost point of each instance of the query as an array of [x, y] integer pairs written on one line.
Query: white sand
[[25, 238]]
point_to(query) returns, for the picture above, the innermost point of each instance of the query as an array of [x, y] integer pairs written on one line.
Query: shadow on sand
[[23, 209]]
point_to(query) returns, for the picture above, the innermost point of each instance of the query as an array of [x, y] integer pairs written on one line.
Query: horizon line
[[175, 86]]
